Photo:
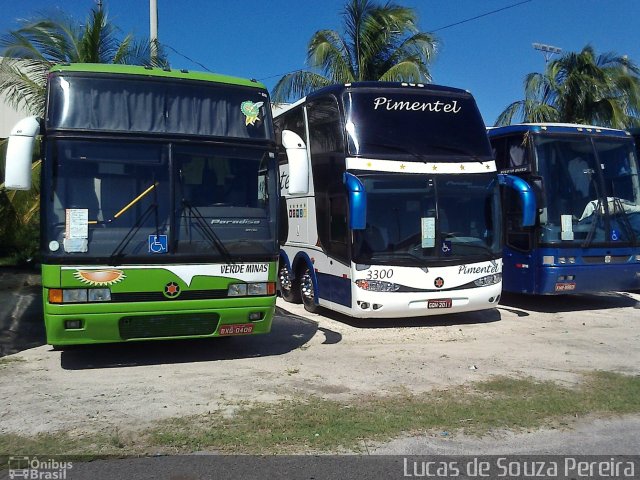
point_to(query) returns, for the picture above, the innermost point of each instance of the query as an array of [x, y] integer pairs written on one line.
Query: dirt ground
[[126, 386]]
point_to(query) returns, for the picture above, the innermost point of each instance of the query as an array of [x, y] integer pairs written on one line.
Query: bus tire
[[288, 285], [307, 291]]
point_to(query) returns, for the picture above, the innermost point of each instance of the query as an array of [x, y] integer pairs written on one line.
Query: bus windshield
[[439, 126], [437, 219], [592, 189], [119, 103], [132, 201]]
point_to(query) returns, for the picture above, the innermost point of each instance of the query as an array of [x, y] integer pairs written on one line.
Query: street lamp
[[547, 50], [153, 29]]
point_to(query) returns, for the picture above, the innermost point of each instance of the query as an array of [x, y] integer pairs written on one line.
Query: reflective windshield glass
[[415, 218], [152, 106], [591, 189], [415, 124], [224, 200], [114, 200]]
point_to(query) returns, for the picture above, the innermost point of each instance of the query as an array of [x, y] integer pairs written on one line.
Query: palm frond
[[296, 85]]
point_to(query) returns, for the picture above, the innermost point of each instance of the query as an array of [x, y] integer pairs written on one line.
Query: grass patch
[[324, 425]]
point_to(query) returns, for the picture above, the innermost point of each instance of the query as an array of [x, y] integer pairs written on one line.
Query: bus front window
[[591, 189], [444, 218]]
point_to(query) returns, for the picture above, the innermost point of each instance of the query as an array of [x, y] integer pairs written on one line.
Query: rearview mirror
[[298, 162], [20, 154]]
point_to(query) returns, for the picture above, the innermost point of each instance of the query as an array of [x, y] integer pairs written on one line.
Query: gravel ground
[[127, 386]]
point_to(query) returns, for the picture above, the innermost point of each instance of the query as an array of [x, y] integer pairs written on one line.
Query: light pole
[[153, 29], [547, 50]]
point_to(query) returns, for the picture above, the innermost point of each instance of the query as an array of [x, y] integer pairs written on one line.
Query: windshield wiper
[[208, 232], [118, 251], [619, 209]]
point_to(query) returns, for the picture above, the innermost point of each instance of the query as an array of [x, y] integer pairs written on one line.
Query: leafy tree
[[583, 88], [31, 50], [379, 43]]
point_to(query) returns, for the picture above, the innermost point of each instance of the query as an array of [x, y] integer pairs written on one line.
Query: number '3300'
[[380, 274]]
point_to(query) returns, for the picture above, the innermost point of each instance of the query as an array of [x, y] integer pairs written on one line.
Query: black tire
[[307, 291], [288, 286]]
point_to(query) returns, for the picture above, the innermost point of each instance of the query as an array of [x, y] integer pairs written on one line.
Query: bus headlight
[[99, 295], [237, 290], [377, 286], [488, 280], [79, 295], [257, 289], [74, 295]]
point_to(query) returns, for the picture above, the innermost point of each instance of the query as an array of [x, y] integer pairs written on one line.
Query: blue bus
[[586, 237]]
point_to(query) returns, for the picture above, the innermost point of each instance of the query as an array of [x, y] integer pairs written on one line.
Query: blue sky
[[263, 39]]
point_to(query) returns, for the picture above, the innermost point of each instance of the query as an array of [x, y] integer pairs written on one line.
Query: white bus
[[402, 212]]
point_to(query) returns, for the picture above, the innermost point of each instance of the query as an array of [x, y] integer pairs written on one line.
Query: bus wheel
[[288, 286], [307, 292]]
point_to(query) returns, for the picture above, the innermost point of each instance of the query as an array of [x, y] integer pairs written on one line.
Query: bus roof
[[338, 88], [556, 128], [154, 72]]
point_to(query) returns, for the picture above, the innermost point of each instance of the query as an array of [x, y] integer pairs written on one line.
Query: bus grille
[[168, 325], [602, 260], [124, 297]]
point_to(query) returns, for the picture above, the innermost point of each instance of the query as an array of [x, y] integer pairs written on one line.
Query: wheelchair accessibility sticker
[[157, 244]]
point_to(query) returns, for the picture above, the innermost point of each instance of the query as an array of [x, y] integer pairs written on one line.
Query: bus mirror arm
[[298, 163], [357, 201], [20, 154], [526, 194]]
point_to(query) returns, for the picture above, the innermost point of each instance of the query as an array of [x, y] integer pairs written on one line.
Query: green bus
[[159, 201]]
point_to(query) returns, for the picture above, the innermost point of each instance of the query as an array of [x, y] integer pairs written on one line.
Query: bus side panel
[[336, 289], [518, 271]]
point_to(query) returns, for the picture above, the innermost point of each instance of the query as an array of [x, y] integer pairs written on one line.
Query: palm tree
[[379, 43], [581, 87], [28, 54], [30, 51]]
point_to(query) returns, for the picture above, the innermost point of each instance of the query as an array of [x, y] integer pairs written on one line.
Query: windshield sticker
[[251, 111], [157, 244], [75, 245], [76, 223], [447, 247], [428, 232], [99, 277], [567, 227], [437, 106]]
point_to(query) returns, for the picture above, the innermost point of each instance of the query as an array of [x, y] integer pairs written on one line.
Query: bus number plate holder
[[440, 303]]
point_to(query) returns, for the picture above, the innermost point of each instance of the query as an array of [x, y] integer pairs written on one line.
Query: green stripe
[[154, 72]]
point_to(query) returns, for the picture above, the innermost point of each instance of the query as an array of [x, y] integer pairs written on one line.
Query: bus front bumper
[[150, 322]]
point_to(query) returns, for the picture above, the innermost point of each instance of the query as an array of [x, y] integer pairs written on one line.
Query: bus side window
[[497, 146], [326, 143], [516, 236]]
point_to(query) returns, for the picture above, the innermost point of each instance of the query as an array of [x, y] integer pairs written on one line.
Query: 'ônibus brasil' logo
[[171, 290], [99, 277], [251, 111]]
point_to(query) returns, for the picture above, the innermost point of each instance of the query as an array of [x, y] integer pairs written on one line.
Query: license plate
[[439, 303], [563, 287], [238, 329]]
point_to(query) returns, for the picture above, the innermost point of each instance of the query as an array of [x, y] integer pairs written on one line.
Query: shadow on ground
[[288, 333], [566, 303], [452, 319], [21, 321]]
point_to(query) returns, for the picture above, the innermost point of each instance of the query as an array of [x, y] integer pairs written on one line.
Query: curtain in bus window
[[153, 107]]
